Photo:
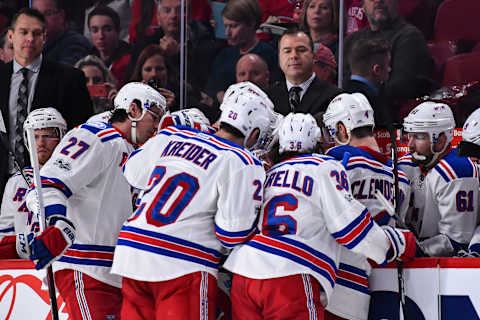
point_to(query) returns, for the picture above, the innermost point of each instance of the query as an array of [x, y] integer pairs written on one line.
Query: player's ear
[[341, 133], [252, 139], [134, 110], [442, 140]]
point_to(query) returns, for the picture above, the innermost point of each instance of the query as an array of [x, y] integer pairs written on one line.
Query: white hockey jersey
[[199, 192], [445, 199], [83, 180], [367, 171], [308, 211], [15, 216]]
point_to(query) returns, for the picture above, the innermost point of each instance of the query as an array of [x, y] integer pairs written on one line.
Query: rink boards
[[436, 288]]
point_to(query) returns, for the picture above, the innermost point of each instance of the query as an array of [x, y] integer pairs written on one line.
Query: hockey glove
[[403, 245], [52, 242]]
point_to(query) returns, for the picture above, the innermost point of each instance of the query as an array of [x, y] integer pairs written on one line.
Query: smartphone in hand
[[98, 90]]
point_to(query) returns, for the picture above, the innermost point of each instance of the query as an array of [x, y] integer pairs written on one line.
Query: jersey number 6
[[277, 225]]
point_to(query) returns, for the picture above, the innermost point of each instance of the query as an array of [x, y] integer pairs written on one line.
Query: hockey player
[[15, 218], [202, 191], [349, 119], [288, 270], [470, 147], [87, 199], [444, 201]]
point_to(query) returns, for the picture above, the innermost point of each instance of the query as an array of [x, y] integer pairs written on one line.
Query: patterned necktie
[[22, 102], [294, 96]]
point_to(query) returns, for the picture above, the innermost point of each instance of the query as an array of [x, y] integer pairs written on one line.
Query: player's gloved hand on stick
[[52, 242], [403, 245]]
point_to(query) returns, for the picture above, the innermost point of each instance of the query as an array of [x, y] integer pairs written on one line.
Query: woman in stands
[[320, 19]]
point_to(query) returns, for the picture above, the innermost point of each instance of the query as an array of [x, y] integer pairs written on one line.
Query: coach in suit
[[301, 91], [30, 82]]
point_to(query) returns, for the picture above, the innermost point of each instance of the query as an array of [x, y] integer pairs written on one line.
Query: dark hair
[[118, 115], [232, 130], [3, 38], [294, 31], [29, 12], [362, 132], [367, 52], [243, 11], [335, 18], [148, 52], [105, 11]]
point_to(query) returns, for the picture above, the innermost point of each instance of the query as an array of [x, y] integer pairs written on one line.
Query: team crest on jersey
[[348, 197], [97, 124], [62, 164], [418, 182]]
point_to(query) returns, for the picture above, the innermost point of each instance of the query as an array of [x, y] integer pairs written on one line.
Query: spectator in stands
[[200, 46], [104, 26], [251, 67], [356, 18], [31, 81], [411, 61], [320, 19], [98, 76], [63, 44], [370, 65], [151, 68], [324, 64], [241, 19], [121, 7], [6, 48], [302, 91]]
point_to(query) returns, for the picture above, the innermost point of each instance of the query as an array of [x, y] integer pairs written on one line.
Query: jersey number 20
[[157, 214]]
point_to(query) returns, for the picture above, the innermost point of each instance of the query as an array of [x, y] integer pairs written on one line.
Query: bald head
[[253, 68]]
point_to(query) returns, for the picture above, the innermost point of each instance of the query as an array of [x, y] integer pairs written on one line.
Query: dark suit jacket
[[316, 99], [383, 116], [59, 86]]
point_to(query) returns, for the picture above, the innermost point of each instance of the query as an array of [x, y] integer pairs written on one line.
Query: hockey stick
[[396, 190], [41, 215]]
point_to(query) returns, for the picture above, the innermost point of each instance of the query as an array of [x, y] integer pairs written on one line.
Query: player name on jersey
[[198, 155]]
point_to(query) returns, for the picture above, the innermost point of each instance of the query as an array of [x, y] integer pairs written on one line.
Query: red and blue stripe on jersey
[[298, 252], [89, 254], [452, 167], [103, 130], [213, 141], [355, 231], [353, 278], [167, 245], [231, 239], [313, 159]]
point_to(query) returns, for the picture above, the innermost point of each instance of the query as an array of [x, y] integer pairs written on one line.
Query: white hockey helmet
[[470, 144], [246, 109], [351, 109], [298, 132], [192, 117], [433, 118], [245, 86], [44, 118], [146, 95]]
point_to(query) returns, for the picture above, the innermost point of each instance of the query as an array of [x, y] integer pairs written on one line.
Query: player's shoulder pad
[[313, 159], [338, 152], [104, 131], [208, 139], [452, 166], [407, 160]]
